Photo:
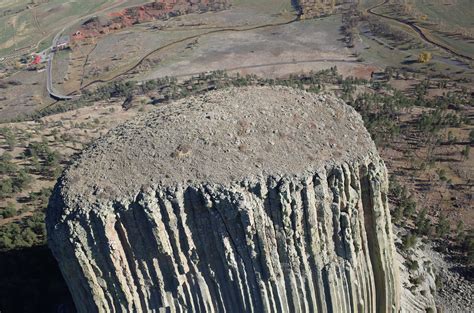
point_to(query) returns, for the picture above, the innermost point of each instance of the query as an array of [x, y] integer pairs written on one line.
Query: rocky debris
[[255, 199], [456, 294], [315, 8], [430, 282], [455, 289], [417, 278]]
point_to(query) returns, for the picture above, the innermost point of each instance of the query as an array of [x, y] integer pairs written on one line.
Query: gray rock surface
[[435, 283], [418, 281], [245, 200]]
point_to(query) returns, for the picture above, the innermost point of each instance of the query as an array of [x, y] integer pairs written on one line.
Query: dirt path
[[181, 41], [254, 66], [37, 25], [85, 64], [422, 33], [36, 22]]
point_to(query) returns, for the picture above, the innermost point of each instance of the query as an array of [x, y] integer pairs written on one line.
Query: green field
[[458, 13], [265, 5], [26, 27], [449, 23]]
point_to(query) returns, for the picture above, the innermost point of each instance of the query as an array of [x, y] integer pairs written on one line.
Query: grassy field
[[454, 12], [26, 27], [114, 53], [447, 20], [34, 24], [267, 6], [435, 21], [105, 61]]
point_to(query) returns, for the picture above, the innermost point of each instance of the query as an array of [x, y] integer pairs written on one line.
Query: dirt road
[[422, 33]]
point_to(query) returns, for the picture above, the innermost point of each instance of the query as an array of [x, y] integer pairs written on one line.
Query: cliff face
[[247, 200]]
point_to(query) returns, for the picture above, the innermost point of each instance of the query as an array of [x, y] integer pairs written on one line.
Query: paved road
[[54, 94], [49, 73]]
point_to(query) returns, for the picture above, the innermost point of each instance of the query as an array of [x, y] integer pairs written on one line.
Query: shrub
[[6, 187], [9, 211], [443, 227], [30, 232], [467, 247], [412, 265], [465, 152], [409, 242], [21, 181], [424, 57], [423, 224], [10, 138], [416, 280], [6, 166], [460, 235]]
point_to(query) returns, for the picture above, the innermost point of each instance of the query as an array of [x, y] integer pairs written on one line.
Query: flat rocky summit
[[221, 137], [243, 200]]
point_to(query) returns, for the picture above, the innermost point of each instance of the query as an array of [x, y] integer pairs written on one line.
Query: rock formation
[[315, 8], [256, 199], [157, 10]]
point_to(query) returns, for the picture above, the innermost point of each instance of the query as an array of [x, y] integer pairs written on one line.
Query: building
[[37, 60], [63, 43]]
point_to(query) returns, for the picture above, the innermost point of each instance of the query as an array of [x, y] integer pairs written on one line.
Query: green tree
[[460, 235], [409, 241], [21, 181], [465, 152], [10, 140], [442, 228], [468, 248], [6, 166], [35, 164], [423, 224], [6, 187], [9, 211]]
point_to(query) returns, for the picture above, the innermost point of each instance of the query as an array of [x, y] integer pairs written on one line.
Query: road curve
[[418, 30], [227, 29], [49, 73]]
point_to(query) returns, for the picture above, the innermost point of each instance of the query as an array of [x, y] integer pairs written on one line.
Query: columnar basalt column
[[255, 199]]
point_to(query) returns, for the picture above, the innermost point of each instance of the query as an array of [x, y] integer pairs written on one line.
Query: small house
[[63, 43]]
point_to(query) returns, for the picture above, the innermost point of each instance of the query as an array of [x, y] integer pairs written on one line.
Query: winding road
[[229, 29], [184, 40], [49, 73], [49, 67], [419, 30]]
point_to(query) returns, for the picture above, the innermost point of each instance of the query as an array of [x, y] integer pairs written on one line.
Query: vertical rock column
[[268, 236]]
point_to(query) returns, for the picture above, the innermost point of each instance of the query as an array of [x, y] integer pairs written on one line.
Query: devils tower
[[253, 199]]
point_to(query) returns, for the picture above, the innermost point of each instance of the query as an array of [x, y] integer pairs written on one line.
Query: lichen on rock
[[250, 199]]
